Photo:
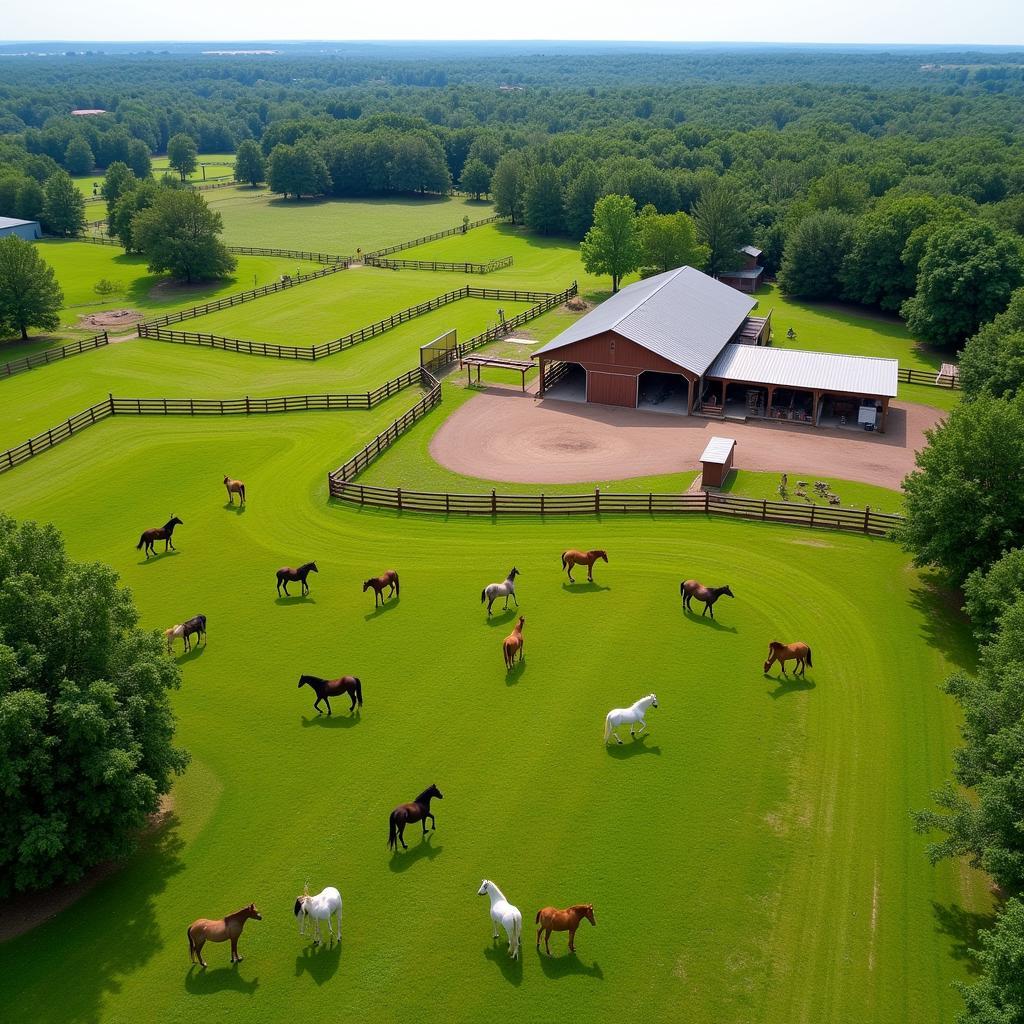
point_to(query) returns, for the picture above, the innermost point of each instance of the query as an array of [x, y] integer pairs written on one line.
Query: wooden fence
[[442, 265], [908, 375], [53, 355], [291, 254], [460, 230]]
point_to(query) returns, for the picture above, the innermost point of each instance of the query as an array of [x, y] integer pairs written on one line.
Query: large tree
[[86, 725], [298, 170], [78, 157], [612, 245], [182, 154], [249, 163], [508, 186], [992, 362], [989, 592], [669, 240], [581, 195], [997, 997], [130, 203], [544, 210], [476, 178], [139, 159], [63, 205], [119, 179], [29, 293], [178, 234], [721, 226], [814, 255]]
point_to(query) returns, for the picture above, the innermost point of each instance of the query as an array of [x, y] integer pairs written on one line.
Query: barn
[[27, 229]]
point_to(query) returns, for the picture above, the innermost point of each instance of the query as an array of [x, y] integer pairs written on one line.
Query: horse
[[289, 575], [691, 589], [387, 579], [327, 688], [149, 537], [587, 558], [320, 908], [235, 487], [502, 911], [197, 625], [633, 714], [205, 930], [418, 810], [781, 653], [551, 920], [512, 643], [172, 634], [493, 591]]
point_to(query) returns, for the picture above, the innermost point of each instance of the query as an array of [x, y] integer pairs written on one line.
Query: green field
[[86, 182]]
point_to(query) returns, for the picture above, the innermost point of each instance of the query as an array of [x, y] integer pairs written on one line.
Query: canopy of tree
[[29, 293]]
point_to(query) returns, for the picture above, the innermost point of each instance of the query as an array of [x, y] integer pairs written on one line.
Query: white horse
[[172, 634], [493, 591], [320, 908], [509, 916], [631, 715]]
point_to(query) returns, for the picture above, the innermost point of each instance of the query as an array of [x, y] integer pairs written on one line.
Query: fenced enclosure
[[461, 229], [52, 355], [441, 265]]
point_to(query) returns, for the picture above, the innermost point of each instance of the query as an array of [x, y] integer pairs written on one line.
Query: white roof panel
[[718, 450], [13, 222]]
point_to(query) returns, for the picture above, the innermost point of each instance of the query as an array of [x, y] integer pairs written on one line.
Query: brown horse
[[196, 625], [150, 537], [782, 653], [327, 688], [551, 920], [691, 589], [204, 930], [289, 575], [388, 579], [235, 487], [587, 558], [512, 643], [403, 814]]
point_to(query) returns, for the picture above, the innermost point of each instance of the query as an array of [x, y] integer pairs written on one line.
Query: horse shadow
[[497, 953], [790, 684], [962, 926], [340, 721], [319, 962], [294, 599], [502, 617], [234, 507], [514, 674], [200, 982], [157, 557], [566, 966], [638, 745], [583, 588], [187, 656], [402, 860], [706, 620], [382, 608]]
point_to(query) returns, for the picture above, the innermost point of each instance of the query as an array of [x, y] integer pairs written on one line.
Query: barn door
[[611, 388]]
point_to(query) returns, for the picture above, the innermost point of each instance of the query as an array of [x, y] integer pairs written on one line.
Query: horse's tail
[[607, 726], [564, 553], [142, 540], [809, 657], [398, 589], [191, 944], [392, 832], [536, 920], [483, 595], [359, 691]]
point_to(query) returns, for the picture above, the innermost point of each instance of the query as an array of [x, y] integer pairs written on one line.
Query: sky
[[956, 22]]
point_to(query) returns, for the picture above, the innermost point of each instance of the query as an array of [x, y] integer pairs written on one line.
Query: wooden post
[[597, 500], [398, 492], [768, 404], [867, 517], [494, 503], [814, 413], [110, 399]]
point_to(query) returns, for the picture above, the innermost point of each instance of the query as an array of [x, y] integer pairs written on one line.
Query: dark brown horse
[[150, 537], [227, 928], [403, 814], [691, 589], [781, 653], [513, 644], [196, 625], [552, 920], [327, 688], [388, 579], [289, 575], [587, 558]]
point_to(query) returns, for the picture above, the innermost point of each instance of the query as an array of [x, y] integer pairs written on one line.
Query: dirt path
[[505, 435]]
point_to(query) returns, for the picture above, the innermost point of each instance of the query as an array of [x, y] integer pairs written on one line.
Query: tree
[[178, 234], [839, 189], [118, 180], [992, 362], [542, 204], [297, 170], [990, 591], [63, 205], [508, 186], [28, 202], [476, 178], [581, 195], [814, 255], [998, 995], [966, 277], [86, 725], [139, 159], [78, 157], [182, 154], [139, 198], [965, 499], [721, 226], [612, 245], [669, 240], [29, 293], [249, 163]]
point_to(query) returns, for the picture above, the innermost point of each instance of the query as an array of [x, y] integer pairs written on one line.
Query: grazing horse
[[327, 688], [388, 579], [587, 558], [631, 715], [552, 920], [172, 634], [493, 591], [149, 537], [512, 643], [289, 575], [403, 814], [235, 487], [204, 930], [320, 908], [691, 589], [197, 625], [782, 653], [504, 913]]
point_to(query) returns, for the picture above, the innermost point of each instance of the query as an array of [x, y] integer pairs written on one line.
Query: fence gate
[[441, 351]]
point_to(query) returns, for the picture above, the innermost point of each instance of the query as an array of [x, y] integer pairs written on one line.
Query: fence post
[[764, 508], [398, 491], [707, 502], [494, 503], [813, 507], [597, 500], [867, 517], [246, 405], [542, 503], [110, 400]]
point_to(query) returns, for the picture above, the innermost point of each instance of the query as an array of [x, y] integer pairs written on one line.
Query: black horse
[[289, 575], [418, 810], [327, 688], [691, 589], [149, 537], [196, 625]]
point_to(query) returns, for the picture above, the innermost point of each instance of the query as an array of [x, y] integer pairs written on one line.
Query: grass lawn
[[215, 169], [853, 494], [751, 859]]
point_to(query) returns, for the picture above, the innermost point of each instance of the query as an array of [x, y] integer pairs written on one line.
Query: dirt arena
[[505, 435]]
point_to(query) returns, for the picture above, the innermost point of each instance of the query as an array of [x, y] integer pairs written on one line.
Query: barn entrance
[[611, 388], [663, 392]]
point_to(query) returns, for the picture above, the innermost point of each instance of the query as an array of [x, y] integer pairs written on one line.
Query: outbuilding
[[716, 461], [27, 229], [747, 276]]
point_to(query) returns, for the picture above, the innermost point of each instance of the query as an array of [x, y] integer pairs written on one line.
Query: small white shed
[[716, 462]]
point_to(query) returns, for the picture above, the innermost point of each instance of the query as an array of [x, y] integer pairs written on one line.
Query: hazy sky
[[860, 21]]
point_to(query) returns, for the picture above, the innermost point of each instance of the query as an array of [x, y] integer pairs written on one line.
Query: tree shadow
[[340, 721], [234, 507], [497, 953], [706, 620], [382, 608], [962, 926], [295, 599], [943, 624], [199, 982], [583, 588], [402, 860], [159, 556], [568, 965], [790, 684], [628, 749], [319, 962], [515, 673], [502, 617]]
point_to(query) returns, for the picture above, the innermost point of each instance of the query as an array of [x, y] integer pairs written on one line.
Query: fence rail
[[53, 355], [439, 265], [461, 229], [933, 378], [292, 254]]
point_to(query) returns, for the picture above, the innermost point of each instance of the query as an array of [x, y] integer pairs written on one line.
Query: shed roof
[[794, 368], [743, 272], [13, 222], [718, 450], [683, 316], [750, 250]]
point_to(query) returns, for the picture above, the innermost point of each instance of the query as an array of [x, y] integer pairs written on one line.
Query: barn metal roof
[[794, 368], [682, 315], [750, 250], [718, 450], [13, 222]]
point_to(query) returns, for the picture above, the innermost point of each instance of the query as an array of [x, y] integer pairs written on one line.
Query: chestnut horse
[[782, 653], [204, 930], [289, 575], [327, 688], [512, 643], [150, 537], [388, 579], [403, 814], [551, 920], [691, 589], [235, 487], [587, 558]]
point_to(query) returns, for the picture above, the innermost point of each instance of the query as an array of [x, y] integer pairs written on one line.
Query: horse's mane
[[306, 565], [425, 794]]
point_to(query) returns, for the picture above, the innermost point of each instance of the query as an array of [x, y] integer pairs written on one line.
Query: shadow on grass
[[943, 625], [402, 860], [187, 656], [319, 962], [502, 617], [583, 588], [200, 982], [340, 721], [497, 953], [382, 608], [158, 557], [962, 926], [237, 509], [568, 966], [515, 673], [706, 620], [631, 748], [295, 599], [790, 684]]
